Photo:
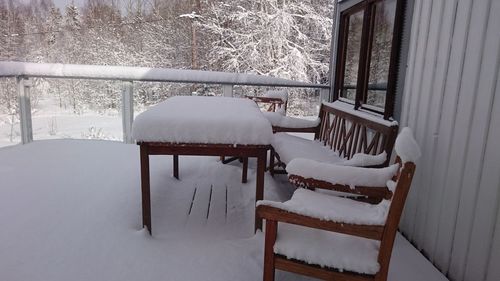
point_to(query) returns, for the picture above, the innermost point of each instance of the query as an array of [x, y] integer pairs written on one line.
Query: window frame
[[368, 6]]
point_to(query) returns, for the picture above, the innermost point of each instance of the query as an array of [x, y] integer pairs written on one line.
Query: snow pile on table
[[329, 249], [206, 120], [337, 174], [406, 146], [290, 147], [364, 160], [332, 208], [277, 119]]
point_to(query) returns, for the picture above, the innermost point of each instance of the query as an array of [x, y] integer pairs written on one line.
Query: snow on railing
[[129, 73], [23, 71]]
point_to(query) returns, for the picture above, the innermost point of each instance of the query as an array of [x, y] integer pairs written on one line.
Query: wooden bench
[[310, 220], [341, 133]]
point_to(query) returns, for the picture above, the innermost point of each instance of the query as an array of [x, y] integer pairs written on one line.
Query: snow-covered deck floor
[[70, 210]]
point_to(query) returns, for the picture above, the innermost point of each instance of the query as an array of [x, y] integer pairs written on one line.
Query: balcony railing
[[23, 72]]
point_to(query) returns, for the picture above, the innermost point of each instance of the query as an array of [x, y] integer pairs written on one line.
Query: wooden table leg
[[271, 162], [145, 188], [176, 166], [245, 170], [259, 188]]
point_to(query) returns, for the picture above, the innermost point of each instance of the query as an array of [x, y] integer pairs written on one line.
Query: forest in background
[[281, 38]]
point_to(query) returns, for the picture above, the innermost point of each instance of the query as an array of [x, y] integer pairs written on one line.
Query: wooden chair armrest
[[311, 183], [276, 214]]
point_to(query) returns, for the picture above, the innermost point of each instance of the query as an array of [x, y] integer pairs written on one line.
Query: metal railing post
[[227, 90], [324, 94], [127, 111], [23, 92]]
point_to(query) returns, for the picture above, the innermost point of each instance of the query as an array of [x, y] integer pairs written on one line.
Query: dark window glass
[[368, 54], [353, 47], [380, 57]]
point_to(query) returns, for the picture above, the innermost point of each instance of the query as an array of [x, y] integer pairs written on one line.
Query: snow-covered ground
[[50, 121], [70, 210]]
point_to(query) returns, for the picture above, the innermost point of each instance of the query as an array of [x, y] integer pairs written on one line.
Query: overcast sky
[[61, 4]]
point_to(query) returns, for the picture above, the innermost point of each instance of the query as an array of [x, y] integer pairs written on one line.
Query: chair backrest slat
[[348, 133]]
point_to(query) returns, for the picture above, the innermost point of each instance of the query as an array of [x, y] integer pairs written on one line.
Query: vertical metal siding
[[451, 103]]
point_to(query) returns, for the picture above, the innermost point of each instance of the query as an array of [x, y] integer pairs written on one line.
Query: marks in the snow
[[214, 206], [201, 206]]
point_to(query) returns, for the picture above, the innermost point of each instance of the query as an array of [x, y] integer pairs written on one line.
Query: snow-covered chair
[[331, 237], [341, 135], [274, 101]]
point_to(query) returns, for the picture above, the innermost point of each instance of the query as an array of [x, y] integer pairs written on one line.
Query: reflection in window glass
[[353, 47], [381, 53]]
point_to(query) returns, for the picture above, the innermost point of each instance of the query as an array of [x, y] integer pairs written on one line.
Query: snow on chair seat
[[340, 174], [327, 249], [279, 120], [288, 147], [277, 94], [332, 208], [339, 238], [342, 130]]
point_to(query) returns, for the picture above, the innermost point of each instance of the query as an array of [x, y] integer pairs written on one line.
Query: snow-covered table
[[211, 126]]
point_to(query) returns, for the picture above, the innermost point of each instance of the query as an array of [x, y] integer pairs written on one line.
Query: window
[[369, 42]]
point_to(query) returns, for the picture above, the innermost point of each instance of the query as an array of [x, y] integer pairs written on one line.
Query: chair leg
[[176, 166], [269, 268], [244, 170], [271, 162]]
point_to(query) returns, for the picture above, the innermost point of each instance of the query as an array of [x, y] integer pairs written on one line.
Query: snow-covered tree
[[54, 23], [72, 18], [11, 28], [282, 38], [5, 50], [288, 39]]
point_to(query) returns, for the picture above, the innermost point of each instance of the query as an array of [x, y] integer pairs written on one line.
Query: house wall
[[452, 102], [405, 42]]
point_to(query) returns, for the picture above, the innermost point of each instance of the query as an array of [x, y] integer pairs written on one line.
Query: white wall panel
[[409, 112], [471, 128], [493, 270], [427, 122], [435, 195], [481, 242], [451, 103]]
